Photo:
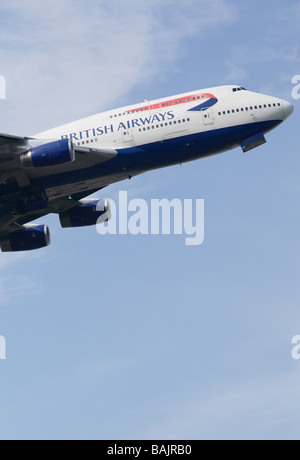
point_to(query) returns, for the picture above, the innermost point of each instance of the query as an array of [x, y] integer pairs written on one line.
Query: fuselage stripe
[[173, 102]]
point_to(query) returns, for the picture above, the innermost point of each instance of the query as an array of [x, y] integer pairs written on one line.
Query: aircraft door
[[127, 135], [208, 119]]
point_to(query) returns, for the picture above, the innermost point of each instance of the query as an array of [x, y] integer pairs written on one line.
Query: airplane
[[54, 171]]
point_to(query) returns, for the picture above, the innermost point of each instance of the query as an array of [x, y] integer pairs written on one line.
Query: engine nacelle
[[51, 154], [29, 238], [88, 213]]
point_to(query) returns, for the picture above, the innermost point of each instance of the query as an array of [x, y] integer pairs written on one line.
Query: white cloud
[[92, 373], [251, 411], [235, 73], [16, 281], [65, 59]]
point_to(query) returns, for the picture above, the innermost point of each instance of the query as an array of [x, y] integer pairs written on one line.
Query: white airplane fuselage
[[160, 133], [56, 170]]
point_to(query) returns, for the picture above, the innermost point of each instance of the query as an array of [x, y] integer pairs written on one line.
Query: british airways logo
[[121, 126], [205, 105]]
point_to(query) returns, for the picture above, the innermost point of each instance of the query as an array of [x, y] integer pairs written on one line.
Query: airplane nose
[[288, 108]]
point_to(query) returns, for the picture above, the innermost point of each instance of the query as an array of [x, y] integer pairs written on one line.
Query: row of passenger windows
[[167, 104], [162, 125], [246, 109], [162, 104], [88, 141], [181, 101], [119, 115]]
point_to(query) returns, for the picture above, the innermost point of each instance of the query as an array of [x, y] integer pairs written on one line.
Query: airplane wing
[[10, 146], [13, 213], [13, 146], [11, 140]]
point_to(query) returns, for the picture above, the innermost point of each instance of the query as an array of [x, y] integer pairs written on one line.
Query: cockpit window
[[239, 89]]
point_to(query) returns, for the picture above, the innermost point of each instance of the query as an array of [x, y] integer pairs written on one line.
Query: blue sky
[[123, 337]]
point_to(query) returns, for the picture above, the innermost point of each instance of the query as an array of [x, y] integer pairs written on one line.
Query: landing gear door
[[208, 119]]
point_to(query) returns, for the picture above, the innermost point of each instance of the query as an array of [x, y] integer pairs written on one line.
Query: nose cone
[[288, 109]]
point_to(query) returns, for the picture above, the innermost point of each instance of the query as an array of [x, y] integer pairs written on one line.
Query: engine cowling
[[31, 237], [88, 213], [51, 154]]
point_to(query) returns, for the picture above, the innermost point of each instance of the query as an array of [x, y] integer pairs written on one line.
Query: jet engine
[[29, 238], [88, 213], [51, 154]]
